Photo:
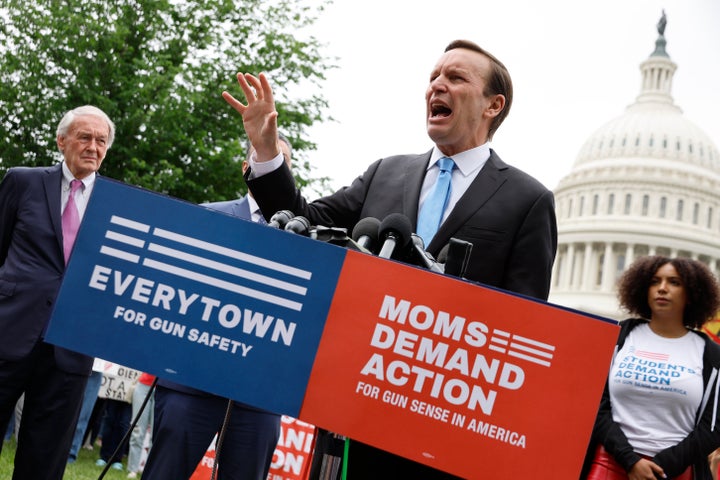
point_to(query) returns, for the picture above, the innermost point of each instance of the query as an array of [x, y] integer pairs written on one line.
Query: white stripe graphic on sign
[[530, 350], [132, 224], [175, 254], [231, 287], [529, 358], [521, 347], [229, 252], [222, 267], [114, 252], [126, 239]]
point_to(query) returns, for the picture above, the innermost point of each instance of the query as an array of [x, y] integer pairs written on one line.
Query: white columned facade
[[650, 179]]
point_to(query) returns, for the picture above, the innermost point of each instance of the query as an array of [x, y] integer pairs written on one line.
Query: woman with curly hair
[[658, 416]]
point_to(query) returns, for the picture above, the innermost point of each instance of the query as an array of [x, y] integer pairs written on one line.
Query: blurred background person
[[88, 404], [187, 419], [144, 426]]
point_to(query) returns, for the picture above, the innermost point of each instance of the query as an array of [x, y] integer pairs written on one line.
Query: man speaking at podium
[[459, 189]]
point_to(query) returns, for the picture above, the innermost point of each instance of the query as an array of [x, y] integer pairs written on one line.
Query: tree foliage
[[157, 68]]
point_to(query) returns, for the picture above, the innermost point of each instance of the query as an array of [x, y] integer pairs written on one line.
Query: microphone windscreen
[[458, 256], [299, 225], [367, 227], [398, 224], [442, 255], [281, 218]]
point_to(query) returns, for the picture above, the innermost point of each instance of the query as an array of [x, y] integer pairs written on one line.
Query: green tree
[[157, 68]]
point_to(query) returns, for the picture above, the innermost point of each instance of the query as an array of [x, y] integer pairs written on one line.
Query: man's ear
[[245, 166], [60, 142], [497, 104]]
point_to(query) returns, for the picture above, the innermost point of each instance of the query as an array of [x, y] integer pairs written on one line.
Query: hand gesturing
[[259, 115]]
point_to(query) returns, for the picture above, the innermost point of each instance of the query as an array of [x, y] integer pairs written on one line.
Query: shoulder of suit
[[226, 206], [395, 161], [515, 173], [407, 156], [23, 170], [223, 203], [24, 174]]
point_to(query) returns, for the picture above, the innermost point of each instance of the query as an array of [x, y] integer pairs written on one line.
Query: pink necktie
[[70, 220]]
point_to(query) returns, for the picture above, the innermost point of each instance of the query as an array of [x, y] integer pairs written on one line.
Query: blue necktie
[[432, 210]]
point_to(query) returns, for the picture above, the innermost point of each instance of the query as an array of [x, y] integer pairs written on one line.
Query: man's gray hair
[[68, 119]]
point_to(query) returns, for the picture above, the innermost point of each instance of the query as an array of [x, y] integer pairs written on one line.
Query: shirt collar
[[253, 205], [467, 162], [69, 177]]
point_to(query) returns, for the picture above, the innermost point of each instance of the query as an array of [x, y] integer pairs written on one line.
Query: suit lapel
[[488, 180], [414, 175], [52, 182], [241, 209]]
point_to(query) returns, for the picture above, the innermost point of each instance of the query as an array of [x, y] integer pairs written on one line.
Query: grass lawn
[[83, 468]]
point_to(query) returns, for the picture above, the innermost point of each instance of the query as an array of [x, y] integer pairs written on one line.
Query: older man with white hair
[[40, 213]]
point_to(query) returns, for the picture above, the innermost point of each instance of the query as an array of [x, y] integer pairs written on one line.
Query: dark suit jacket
[[31, 262], [507, 215], [237, 208]]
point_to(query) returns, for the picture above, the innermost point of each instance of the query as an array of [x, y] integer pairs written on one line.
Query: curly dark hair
[[701, 288]]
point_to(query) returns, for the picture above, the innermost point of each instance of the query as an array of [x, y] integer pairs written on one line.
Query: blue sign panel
[[196, 296]]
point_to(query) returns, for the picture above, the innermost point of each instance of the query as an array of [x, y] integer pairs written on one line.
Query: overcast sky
[[575, 66]]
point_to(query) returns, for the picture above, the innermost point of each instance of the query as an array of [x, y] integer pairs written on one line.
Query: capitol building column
[[566, 275], [629, 254], [608, 272], [587, 267]]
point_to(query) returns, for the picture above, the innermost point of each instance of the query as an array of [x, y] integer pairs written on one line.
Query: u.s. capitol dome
[[645, 183]]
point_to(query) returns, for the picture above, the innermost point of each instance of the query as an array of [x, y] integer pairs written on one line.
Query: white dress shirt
[[467, 165], [81, 195]]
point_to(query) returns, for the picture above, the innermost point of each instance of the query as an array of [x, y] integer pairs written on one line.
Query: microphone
[[365, 233], [442, 255], [280, 219], [456, 256], [425, 258], [299, 225], [395, 231]]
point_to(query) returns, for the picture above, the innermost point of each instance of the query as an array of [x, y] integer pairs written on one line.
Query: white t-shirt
[[656, 387]]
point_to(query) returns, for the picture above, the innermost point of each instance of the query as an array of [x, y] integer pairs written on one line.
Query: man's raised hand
[[259, 115]]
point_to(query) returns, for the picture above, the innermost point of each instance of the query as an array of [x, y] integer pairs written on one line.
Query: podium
[[465, 378]]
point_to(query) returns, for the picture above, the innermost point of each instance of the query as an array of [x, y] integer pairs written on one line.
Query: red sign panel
[[291, 459], [466, 379]]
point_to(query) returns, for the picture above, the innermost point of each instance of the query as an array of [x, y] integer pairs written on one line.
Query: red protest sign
[[291, 459], [466, 379]]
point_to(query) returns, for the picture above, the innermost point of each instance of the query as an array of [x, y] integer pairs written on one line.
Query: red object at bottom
[[604, 467]]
